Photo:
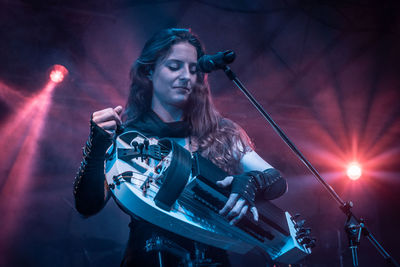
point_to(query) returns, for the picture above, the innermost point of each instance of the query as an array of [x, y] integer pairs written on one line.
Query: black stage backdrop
[[327, 71]]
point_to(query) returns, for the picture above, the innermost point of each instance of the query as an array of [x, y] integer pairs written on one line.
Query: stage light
[[58, 73], [354, 171]]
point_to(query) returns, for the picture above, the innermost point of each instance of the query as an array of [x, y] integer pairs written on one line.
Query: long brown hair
[[219, 139]]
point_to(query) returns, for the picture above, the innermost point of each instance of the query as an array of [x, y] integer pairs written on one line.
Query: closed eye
[[173, 68], [175, 65]]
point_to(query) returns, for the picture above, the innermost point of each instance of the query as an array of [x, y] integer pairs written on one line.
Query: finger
[[235, 211], [106, 115], [108, 125], [110, 132], [254, 211], [101, 112], [102, 115], [115, 114], [117, 117], [118, 110], [240, 216], [229, 204], [225, 182]]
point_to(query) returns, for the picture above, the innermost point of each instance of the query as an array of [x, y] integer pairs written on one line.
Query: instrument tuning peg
[[135, 145], [311, 244], [146, 143], [300, 235], [305, 240], [141, 146], [294, 217], [304, 230], [299, 224]]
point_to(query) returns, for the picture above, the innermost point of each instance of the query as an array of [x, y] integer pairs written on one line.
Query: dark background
[[327, 72]]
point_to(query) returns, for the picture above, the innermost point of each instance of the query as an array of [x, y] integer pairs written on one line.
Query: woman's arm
[[90, 188], [259, 179], [272, 184], [251, 161]]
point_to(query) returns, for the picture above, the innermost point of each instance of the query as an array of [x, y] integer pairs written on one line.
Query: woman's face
[[175, 76]]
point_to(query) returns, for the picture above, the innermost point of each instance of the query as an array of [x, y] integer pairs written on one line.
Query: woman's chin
[[180, 100]]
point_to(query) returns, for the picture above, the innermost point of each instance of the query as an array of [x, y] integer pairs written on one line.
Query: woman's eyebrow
[[179, 61]]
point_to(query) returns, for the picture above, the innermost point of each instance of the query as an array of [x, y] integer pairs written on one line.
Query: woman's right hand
[[108, 119]]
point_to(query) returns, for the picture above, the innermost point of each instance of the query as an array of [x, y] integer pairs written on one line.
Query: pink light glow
[[20, 140]]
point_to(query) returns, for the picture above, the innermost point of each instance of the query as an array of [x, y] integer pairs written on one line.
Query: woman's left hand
[[236, 206]]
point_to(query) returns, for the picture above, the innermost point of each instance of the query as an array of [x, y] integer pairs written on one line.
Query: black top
[[151, 125]]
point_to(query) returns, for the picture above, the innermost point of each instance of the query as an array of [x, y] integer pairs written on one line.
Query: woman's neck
[[167, 113]]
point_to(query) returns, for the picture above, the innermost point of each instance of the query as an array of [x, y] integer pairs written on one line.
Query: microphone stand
[[354, 226]]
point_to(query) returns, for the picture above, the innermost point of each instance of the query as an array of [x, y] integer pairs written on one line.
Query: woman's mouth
[[182, 88]]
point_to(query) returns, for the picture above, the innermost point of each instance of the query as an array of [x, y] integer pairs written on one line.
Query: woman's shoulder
[[228, 123]]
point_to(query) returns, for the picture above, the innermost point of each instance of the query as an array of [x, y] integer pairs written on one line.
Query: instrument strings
[[152, 190]]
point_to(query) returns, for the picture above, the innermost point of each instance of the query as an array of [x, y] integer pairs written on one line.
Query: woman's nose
[[185, 73]]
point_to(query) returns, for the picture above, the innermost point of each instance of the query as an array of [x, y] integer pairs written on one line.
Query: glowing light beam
[[22, 132]]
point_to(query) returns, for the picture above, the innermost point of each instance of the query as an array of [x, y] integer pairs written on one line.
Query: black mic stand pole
[[354, 226]]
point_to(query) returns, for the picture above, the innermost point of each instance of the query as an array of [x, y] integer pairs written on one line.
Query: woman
[[170, 98]]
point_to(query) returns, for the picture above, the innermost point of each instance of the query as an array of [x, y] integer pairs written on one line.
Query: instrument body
[[162, 183]]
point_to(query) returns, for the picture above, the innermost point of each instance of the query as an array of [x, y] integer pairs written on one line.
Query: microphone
[[208, 63]]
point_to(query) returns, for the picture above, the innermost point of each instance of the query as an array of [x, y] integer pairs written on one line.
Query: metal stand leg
[[160, 261], [353, 230], [354, 254]]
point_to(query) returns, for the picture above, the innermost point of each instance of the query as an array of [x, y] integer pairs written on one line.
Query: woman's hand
[[236, 206], [108, 119]]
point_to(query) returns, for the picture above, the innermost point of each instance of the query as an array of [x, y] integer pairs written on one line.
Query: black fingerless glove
[[98, 142], [89, 180], [269, 184]]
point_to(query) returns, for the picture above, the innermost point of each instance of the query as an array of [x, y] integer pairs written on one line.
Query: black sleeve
[[275, 185], [268, 184], [89, 185]]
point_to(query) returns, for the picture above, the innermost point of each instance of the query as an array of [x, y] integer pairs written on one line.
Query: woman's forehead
[[183, 52]]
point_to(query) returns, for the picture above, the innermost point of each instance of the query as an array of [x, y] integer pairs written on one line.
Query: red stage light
[[354, 171], [58, 73]]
